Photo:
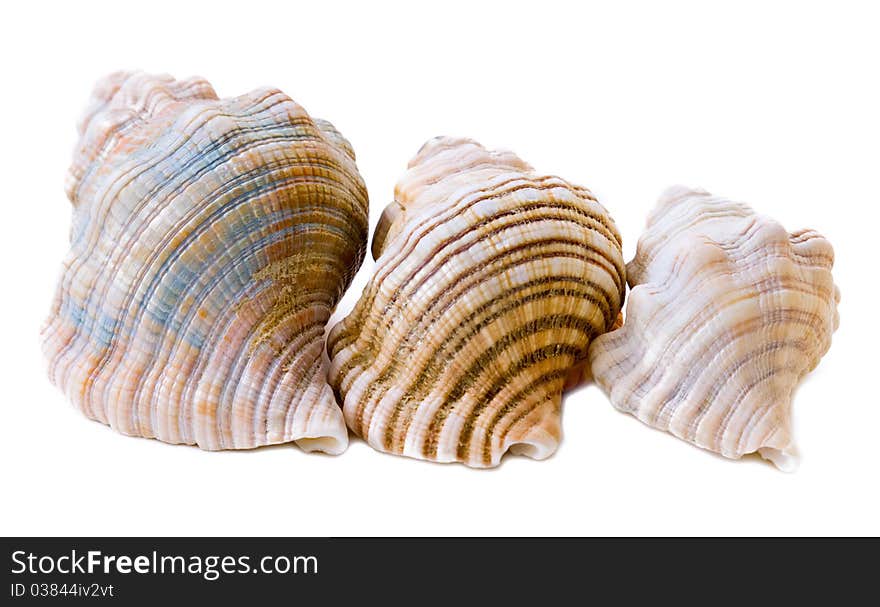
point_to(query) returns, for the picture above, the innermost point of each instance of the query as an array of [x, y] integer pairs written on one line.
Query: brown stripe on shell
[[499, 256], [592, 255], [474, 324], [473, 372]]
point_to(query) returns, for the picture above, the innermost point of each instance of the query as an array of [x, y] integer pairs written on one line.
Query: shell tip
[[392, 213]]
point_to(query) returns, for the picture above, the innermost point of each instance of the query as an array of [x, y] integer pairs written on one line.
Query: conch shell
[[490, 283], [211, 240], [727, 312]]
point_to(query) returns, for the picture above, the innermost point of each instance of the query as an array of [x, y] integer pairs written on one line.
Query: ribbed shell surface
[[490, 282], [211, 240], [727, 312]]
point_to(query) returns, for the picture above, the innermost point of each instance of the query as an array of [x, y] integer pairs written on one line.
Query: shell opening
[[326, 444], [534, 450], [784, 459]]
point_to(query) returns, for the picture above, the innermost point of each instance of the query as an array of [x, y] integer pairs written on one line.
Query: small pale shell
[[727, 312], [490, 283], [211, 240]]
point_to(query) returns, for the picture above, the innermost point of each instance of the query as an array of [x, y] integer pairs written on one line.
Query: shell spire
[[490, 282], [727, 312], [211, 240]]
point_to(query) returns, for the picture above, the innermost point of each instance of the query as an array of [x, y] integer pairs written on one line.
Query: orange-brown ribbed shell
[[491, 280]]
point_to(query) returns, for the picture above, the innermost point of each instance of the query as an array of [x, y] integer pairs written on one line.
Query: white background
[[772, 103]]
